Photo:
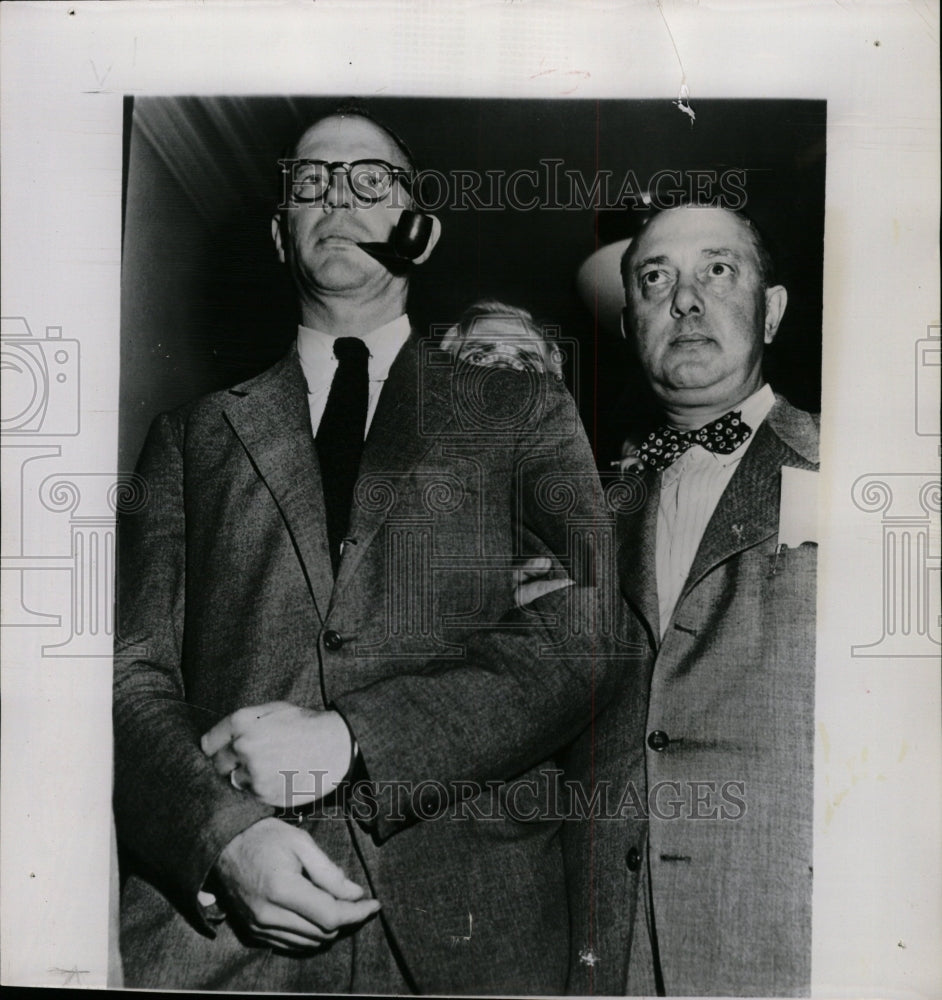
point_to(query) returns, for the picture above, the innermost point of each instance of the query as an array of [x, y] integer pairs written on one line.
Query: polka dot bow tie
[[665, 445]]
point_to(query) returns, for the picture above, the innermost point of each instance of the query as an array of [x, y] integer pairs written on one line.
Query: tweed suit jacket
[[225, 597], [727, 853]]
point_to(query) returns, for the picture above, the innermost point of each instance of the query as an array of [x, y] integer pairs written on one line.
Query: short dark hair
[[765, 264]]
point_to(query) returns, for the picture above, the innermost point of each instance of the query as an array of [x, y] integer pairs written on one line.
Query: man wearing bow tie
[[726, 614], [313, 538]]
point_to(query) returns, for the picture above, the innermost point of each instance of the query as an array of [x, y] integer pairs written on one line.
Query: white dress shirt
[[690, 490], [316, 351]]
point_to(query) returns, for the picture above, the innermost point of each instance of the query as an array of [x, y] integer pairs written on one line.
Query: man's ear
[[276, 236], [625, 324], [776, 298], [434, 237]]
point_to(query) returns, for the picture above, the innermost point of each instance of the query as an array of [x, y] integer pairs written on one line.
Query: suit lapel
[[748, 510], [271, 418], [414, 407], [637, 570], [746, 514]]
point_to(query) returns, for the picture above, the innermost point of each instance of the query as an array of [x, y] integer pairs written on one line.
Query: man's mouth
[[337, 239], [690, 330]]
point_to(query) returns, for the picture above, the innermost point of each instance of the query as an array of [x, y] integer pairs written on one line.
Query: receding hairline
[[388, 134]]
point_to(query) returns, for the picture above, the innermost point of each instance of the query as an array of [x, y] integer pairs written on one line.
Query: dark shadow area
[[205, 303]]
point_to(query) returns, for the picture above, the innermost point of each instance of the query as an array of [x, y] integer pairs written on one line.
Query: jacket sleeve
[[172, 810], [525, 689]]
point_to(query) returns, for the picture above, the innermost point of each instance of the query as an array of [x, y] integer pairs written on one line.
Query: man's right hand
[[286, 890]]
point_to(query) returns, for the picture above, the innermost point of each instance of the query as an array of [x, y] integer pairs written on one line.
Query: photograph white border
[[65, 69]]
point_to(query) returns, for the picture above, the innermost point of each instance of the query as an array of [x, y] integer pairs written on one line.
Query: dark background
[[205, 303]]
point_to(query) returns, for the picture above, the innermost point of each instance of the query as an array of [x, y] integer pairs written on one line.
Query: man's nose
[[686, 299], [339, 193]]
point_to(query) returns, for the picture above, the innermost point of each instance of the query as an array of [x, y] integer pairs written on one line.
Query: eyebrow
[[722, 252], [659, 259], [706, 252]]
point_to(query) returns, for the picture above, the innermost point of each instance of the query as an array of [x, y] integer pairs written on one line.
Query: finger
[[225, 760], [323, 910], [341, 913], [324, 873], [536, 566], [529, 592], [286, 941], [216, 738], [275, 919]]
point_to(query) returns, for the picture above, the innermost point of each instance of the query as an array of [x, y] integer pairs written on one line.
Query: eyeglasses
[[369, 180]]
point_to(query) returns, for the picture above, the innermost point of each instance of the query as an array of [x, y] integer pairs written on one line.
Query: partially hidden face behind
[[494, 335], [698, 308], [318, 240]]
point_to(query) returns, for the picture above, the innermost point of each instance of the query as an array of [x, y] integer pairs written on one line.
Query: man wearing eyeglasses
[[298, 606]]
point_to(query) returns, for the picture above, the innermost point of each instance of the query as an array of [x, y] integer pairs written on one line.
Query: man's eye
[[307, 174], [306, 190], [368, 181], [307, 183], [719, 270], [653, 278]]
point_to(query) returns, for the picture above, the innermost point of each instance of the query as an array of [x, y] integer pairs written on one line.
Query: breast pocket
[[789, 592]]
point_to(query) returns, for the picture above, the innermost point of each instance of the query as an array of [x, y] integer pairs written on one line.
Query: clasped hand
[[287, 892], [281, 754]]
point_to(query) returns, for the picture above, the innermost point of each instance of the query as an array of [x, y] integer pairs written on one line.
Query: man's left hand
[[535, 578], [254, 746]]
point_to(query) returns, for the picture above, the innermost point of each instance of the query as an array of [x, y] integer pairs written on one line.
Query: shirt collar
[[753, 410], [316, 349]]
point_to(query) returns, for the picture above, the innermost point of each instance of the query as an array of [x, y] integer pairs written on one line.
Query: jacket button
[[658, 740], [633, 859], [333, 640]]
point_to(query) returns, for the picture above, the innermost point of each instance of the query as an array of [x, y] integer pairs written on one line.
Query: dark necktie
[[664, 446], [339, 438]]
